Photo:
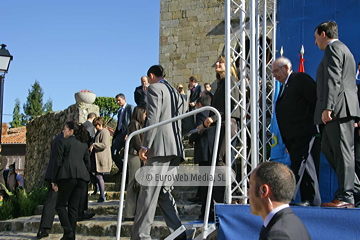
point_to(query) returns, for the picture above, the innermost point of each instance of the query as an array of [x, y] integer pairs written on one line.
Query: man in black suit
[[140, 92], [195, 90], [295, 108], [202, 150], [88, 124], [48, 211], [272, 185], [124, 116], [337, 107]]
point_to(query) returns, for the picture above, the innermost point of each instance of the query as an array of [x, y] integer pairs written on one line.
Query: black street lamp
[[5, 59]]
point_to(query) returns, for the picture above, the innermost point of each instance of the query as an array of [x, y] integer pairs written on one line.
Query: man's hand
[[326, 116], [192, 104], [142, 154], [208, 121], [54, 187]]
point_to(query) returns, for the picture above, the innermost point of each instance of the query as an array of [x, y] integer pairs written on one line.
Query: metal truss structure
[[250, 37]]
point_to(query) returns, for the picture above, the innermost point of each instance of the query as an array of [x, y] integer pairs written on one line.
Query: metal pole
[[227, 137], [2, 80]]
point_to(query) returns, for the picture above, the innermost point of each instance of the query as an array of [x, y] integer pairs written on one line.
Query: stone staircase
[[103, 224]]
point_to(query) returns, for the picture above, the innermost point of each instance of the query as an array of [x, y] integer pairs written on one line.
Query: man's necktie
[[282, 88], [120, 118]]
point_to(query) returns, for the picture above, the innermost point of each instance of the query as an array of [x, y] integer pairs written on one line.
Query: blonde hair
[[233, 69], [182, 90]]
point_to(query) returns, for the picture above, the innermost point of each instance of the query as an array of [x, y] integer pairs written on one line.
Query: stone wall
[[191, 38], [39, 134]]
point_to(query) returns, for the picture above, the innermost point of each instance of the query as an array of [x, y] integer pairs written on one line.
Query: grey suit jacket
[[164, 102], [336, 85]]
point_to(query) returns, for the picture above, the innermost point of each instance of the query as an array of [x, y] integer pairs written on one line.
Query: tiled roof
[[14, 136]]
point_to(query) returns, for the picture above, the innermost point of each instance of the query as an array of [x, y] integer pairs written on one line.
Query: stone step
[[32, 235], [100, 227], [111, 208]]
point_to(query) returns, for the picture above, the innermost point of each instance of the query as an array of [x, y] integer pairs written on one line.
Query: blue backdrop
[[297, 20]]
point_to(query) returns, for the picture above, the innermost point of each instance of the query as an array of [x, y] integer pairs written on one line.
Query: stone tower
[[191, 38]]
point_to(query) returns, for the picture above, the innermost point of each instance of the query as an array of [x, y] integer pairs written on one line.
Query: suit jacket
[[102, 149], [72, 160], [285, 225], [336, 85], [125, 120], [295, 107], [140, 96], [90, 128], [201, 146], [164, 102], [50, 167], [194, 95]]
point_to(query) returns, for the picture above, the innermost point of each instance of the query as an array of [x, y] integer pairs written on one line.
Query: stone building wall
[[191, 38], [40, 133]]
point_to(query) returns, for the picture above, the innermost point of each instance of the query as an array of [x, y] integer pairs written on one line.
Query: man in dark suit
[[195, 90], [140, 92], [162, 149], [48, 211], [337, 107], [124, 116], [272, 185], [202, 150], [88, 124], [295, 108]]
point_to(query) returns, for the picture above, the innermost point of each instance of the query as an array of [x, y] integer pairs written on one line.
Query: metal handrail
[[212, 170]]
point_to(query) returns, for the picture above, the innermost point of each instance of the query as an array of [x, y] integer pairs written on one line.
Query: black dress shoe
[[302, 204], [85, 216], [194, 200], [68, 236], [42, 233]]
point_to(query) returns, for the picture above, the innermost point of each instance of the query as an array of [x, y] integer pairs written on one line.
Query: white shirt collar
[[287, 79], [334, 40], [273, 212]]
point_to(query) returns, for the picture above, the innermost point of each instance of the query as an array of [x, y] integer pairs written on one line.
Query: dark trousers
[[118, 144], [84, 200], [48, 211], [298, 149], [337, 144], [69, 195]]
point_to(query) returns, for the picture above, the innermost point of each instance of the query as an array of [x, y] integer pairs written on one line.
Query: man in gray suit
[[337, 107], [163, 150]]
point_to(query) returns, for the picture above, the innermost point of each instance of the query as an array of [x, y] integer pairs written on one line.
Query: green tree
[[48, 106], [108, 109], [16, 122], [34, 104]]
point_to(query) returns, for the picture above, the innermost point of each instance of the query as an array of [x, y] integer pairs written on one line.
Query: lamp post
[[5, 59]]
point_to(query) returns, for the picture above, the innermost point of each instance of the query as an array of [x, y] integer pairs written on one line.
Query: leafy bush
[[21, 204]]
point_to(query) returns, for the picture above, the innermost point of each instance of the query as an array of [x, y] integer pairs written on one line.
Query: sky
[[103, 46]]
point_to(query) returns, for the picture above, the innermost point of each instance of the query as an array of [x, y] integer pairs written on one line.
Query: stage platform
[[237, 222]]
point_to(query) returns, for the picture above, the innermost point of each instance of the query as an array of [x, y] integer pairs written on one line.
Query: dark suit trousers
[[298, 149], [117, 144], [69, 195], [48, 211], [337, 144]]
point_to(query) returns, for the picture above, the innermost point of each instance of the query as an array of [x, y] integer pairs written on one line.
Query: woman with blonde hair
[[101, 155], [218, 102]]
